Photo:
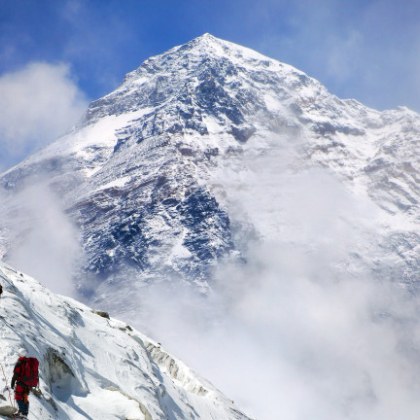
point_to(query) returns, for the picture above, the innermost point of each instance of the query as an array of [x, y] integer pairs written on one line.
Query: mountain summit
[[146, 176]]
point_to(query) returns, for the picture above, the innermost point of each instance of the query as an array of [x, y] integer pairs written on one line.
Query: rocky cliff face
[[144, 176]]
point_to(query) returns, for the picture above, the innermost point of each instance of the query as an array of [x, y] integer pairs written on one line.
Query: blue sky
[[364, 49]]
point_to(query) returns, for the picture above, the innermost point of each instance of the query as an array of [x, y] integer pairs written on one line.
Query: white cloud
[[49, 247], [303, 329], [39, 102]]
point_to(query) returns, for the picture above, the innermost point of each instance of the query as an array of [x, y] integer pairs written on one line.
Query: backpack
[[28, 372]]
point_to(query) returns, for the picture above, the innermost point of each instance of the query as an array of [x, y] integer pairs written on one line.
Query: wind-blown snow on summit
[[148, 177], [93, 366]]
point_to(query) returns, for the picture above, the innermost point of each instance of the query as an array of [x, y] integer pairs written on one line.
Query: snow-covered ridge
[[208, 44], [95, 367]]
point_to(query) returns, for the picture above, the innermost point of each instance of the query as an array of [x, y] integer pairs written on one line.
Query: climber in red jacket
[[25, 376]]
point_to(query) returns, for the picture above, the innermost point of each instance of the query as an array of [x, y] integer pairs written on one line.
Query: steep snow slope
[[92, 367], [146, 177]]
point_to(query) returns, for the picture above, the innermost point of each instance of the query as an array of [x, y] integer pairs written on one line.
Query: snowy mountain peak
[[205, 39], [209, 44], [207, 77], [147, 177]]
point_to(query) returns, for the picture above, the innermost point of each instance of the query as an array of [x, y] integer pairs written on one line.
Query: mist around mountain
[[226, 197]]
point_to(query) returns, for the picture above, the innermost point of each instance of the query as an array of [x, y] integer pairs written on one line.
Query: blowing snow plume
[[303, 329], [49, 247]]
